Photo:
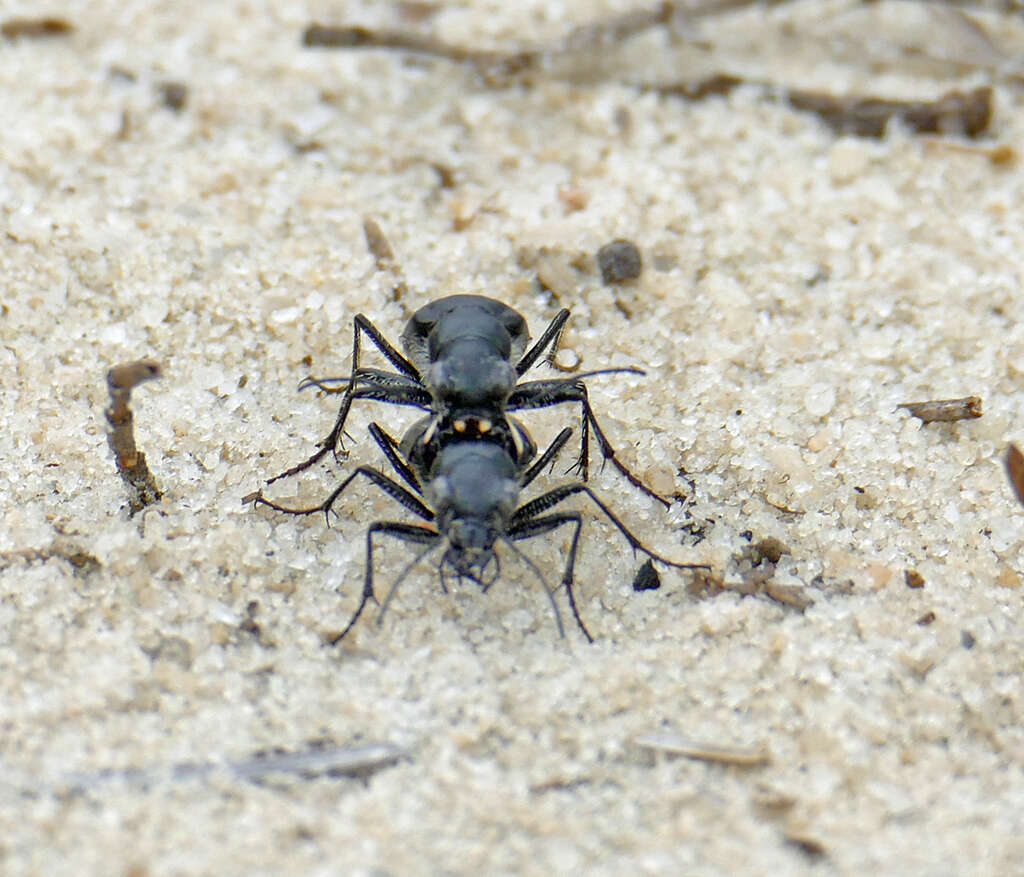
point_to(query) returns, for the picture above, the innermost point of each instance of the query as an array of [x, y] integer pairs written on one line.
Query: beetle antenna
[[543, 581], [401, 578]]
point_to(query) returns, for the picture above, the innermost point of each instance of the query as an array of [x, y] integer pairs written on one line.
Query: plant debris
[[131, 462], [960, 113], [804, 841], [954, 113], [1015, 469], [380, 248], [495, 67], [36, 28], [913, 578], [676, 744], [358, 760], [945, 410], [81, 561], [752, 582]]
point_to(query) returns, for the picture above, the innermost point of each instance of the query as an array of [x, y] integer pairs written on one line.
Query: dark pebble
[[619, 262], [647, 578]]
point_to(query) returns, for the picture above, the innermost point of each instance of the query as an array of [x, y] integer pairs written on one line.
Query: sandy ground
[[798, 285]]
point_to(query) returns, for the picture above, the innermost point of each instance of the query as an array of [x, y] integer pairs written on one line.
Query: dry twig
[[131, 462], [945, 410], [675, 744], [1015, 469], [380, 248]]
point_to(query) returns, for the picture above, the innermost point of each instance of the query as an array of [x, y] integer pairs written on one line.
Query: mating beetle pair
[[465, 464]]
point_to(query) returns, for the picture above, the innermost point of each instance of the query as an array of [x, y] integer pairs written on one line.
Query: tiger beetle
[[466, 463], [464, 356]]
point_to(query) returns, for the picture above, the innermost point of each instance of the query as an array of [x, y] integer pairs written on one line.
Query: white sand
[[810, 281]]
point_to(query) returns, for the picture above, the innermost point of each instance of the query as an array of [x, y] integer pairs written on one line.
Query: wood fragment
[[716, 85], [753, 581], [675, 744], [771, 802], [955, 113], [358, 760], [789, 595], [967, 114], [801, 838], [945, 410], [963, 113], [131, 462], [495, 67], [380, 248], [913, 578], [1002, 155], [786, 510], [36, 28], [81, 561], [1015, 469], [378, 244]]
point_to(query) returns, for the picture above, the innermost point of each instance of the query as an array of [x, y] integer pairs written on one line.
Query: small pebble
[[619, 262], [173, 94], [566, 360], [913, 578], [647, 578], [820, 399]]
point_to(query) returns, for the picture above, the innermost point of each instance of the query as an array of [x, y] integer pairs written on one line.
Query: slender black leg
[[389, 445], [391, 487], [553, 497], [549, 339], [361, 324], [542, 394], [376, 377], [333, 442], [383, 345], [406, 533], [527, 529], [547, 457], [412, 396]]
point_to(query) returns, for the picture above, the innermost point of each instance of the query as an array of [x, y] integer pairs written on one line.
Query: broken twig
[[36, 28], [955, 113], [494, 66], [333, 761], [945, 410], [1015, 469], [675, 744], [131, 462], [380, 248]]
